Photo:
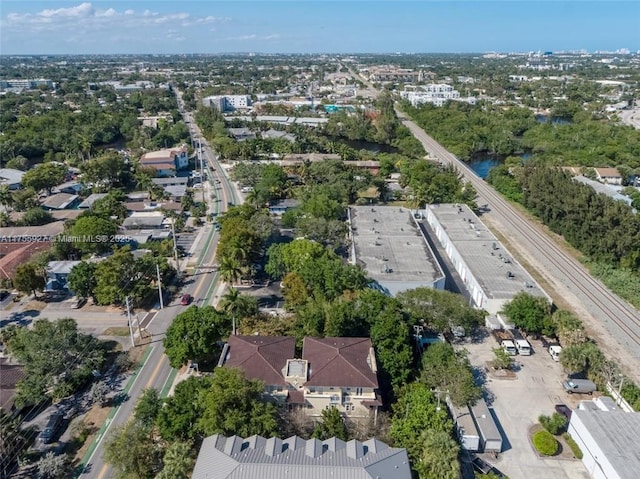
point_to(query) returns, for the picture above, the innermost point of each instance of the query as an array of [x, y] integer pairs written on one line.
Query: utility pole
[[133, 343], [175, 247], [159, 286]]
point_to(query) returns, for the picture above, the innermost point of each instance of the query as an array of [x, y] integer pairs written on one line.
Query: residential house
[[60, 201], [166, 162], [72, 187], [234, 457], [142, 206], [90, 200], [263, 358], [241, 134], [274, 134], [280, 207], [145, 220], [12, 178], [171, 181], [58, 274], [333, 372], [10, 375], [610, 176]]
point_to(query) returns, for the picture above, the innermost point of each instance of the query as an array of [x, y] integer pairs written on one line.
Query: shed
[[490, 437]]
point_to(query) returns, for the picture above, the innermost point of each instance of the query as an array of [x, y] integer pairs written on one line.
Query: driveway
[[518, 402]]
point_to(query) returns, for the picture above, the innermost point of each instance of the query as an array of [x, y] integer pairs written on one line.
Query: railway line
[[618, 318]]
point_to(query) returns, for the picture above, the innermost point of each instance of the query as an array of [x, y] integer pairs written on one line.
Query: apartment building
[[336, 373]]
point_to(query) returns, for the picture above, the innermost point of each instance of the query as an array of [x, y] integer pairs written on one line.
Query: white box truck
[[523, 347]]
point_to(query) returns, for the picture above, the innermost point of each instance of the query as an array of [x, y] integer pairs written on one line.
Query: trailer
[[465, 427], [490, 437]]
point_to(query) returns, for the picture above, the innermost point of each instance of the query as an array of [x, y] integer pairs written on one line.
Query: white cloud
[[86, 18], [253, 36]]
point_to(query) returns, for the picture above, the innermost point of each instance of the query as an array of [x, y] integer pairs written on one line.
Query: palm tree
[[238, 305], [177, 460], [230, 269]]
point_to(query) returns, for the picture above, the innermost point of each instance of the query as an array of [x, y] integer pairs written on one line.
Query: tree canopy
[[194, 335], [57, 358]]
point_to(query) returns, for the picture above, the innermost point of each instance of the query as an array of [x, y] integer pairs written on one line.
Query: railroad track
[[602, 304]]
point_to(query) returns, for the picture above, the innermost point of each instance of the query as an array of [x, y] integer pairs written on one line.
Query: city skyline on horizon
[[55, 27]]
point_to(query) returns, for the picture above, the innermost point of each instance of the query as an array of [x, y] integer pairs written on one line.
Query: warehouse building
[[608, 438], [389, 245], [489, 271]]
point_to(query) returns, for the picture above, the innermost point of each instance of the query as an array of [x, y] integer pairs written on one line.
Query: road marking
[[155, 373], [105, 427], [168, 383]]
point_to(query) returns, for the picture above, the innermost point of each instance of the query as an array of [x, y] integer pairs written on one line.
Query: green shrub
[[573, 445], [554, 424], [545, 443]]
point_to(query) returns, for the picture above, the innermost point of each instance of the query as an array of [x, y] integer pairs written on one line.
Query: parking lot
[[517, 402]]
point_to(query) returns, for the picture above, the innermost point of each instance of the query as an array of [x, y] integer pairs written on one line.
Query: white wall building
[[490, 273], [608, 437], [227, 102], [436, 93]]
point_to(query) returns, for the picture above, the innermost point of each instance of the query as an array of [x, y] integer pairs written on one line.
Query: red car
[[186, 299]]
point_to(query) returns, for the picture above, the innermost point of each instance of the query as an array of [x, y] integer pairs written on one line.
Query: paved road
[[156, 372], [631, 117], [620, 320]]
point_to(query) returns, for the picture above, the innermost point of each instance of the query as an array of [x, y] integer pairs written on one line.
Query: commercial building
[[336, 373], [608, 437], [25, 84], [234, 457], [388, 243], [489, 271], [224, 103], [436, 93]]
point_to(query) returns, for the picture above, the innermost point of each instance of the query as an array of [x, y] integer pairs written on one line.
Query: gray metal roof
[[617, 435], [91, 199], [392, 249], [487, 259], [233, 457]]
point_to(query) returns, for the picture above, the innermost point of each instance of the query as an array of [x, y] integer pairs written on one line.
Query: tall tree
[[439, 458], [233, 405], [177, 461], [44, 176], [194, 334], [331, 425], [132, 452], [28, 278], [82, 279]]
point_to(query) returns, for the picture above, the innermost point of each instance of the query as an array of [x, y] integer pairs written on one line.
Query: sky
[[305, 26]]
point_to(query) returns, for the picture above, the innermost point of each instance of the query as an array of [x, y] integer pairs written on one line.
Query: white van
[[509, 347], [555, 351], [523, 347]]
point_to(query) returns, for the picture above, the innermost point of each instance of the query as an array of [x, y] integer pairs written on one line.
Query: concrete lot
[[517, 403]]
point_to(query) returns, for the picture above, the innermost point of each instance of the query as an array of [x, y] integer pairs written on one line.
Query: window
[[358, 391]]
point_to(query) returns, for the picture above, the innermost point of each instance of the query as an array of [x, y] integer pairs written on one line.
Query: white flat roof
[[391, 248], [487, 259]]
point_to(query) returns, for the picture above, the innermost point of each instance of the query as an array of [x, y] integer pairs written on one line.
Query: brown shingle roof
[[340, 362], [261, 357], [10, 375], [13, 255]]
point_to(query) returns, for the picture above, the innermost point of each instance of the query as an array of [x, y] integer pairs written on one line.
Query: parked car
[[563, 410], [554, 351], [51, 429], [583, 386], [186, 299]]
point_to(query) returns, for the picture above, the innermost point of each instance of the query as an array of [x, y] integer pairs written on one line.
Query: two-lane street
[[615, 323], [156, 371]]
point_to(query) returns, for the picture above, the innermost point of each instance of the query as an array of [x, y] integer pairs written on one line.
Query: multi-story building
[[336, 373], [224, 103], [435, 93], [260, 457], [25, 84], [166, 161]]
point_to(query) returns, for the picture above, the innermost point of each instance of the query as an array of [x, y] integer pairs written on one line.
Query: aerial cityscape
[[314, 239]]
